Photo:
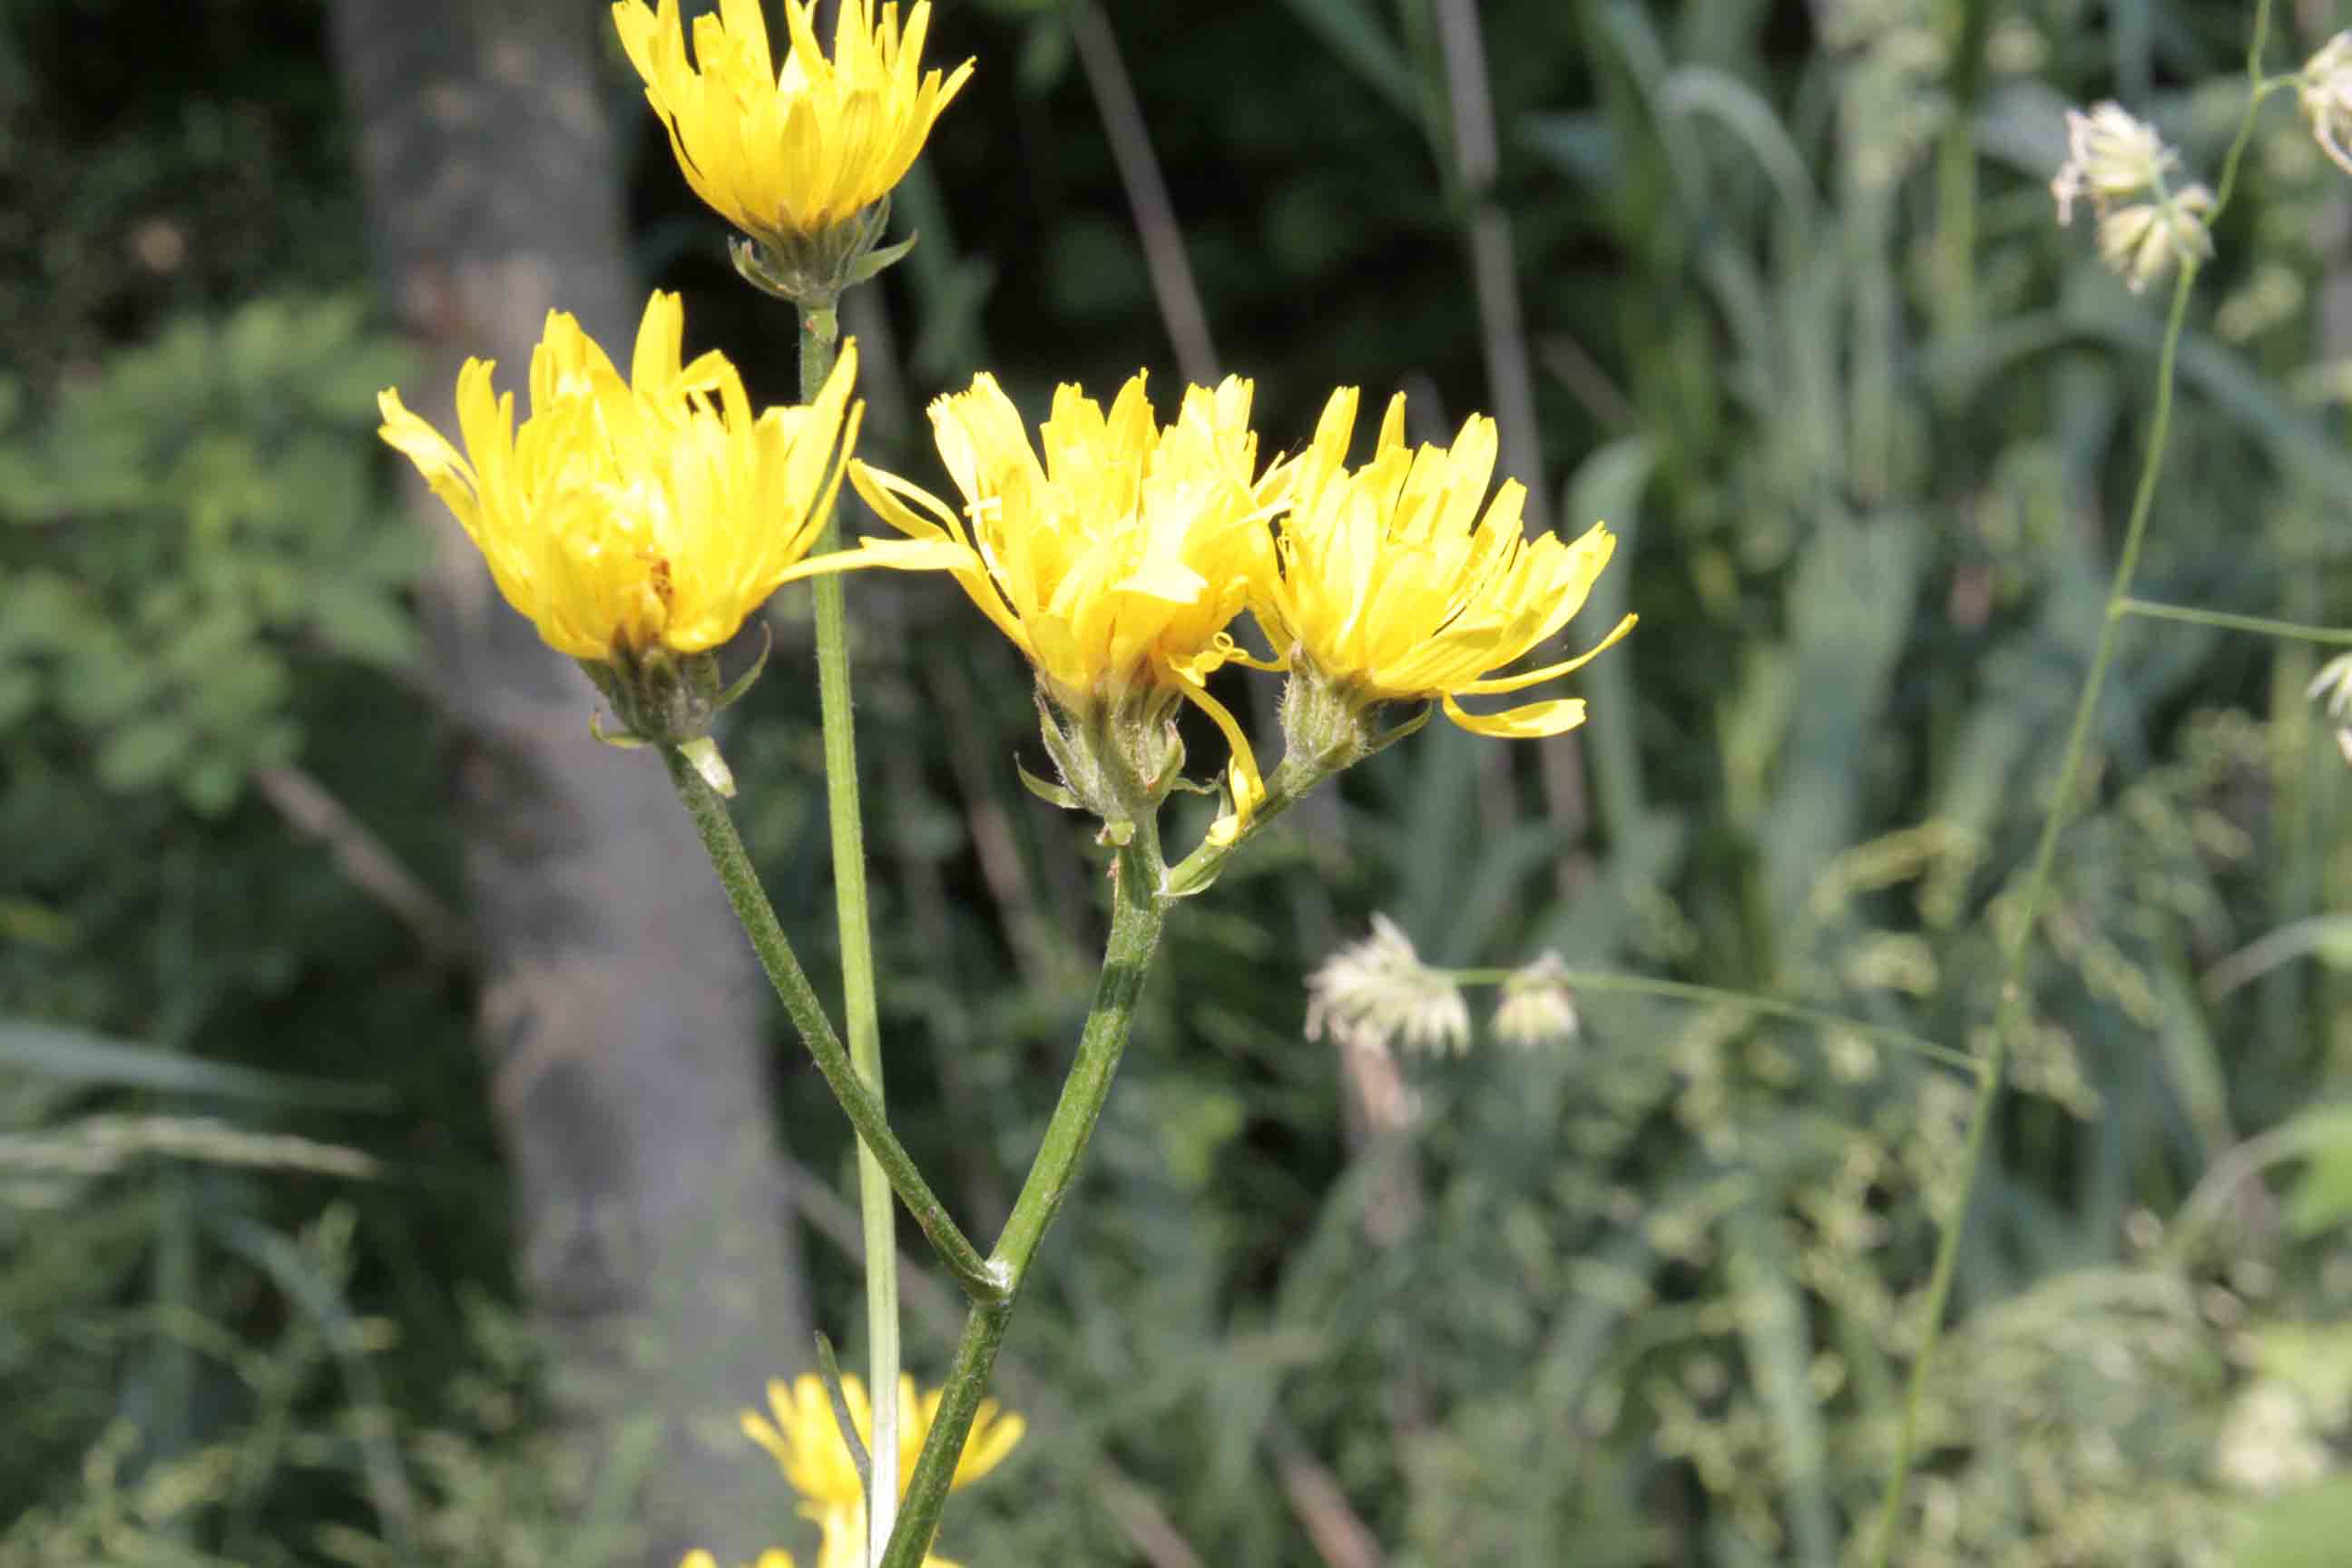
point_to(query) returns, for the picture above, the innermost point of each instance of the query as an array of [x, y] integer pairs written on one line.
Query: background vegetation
[[1783, 302]]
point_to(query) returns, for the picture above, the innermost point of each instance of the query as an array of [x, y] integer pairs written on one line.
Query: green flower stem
[[979, 1279], [1287, 787], [2012, 1005], [2331, 637], [819, 338], [1605, 982], [1137, 909], [2009, 1013]]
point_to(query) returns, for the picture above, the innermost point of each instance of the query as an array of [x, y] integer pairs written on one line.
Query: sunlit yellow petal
[[842, 1536], [774, 1557], [1499, 685], [1113, 551], [904, 555], [787, 151], [1402, 580], [1248, 787], [887, 494], [995, 1433], [659, 512], [1526, 723], [800, 1430]]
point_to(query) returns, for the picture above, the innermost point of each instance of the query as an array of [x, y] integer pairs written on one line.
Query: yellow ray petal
[[1496, 686], [1552, 717]]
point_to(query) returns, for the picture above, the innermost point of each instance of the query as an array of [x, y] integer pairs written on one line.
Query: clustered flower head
[[1118, 561], [1377, 993], [626, 516], [2111, 156], [2323, 89], [1114, 563], [788, 152], [799, 1430], [1537, 1008], [638, 522], [1391, 582], [2119, 164]]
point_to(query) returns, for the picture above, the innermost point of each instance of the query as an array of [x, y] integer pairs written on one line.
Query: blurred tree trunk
[[620, 1016]]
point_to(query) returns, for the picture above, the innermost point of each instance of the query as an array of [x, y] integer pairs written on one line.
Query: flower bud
[[2142, 242], [1537, 1008], [2119, 164], [2111, 157], [1118, 758], [2324, 93], [663, 697], [1377, 992], [1328, 723], [814, 269]]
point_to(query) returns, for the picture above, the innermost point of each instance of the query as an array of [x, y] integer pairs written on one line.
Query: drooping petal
[[1247, 785], [442, 468], [1552, 717], [1497, 685], [887, 494]]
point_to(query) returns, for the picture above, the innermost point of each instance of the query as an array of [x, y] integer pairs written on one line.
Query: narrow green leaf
[[1692, 92], [75, 1056]]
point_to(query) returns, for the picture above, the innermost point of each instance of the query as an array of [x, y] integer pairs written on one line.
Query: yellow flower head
[[807, 1443], [1117, 561], [774, 1557], [624, 516], [785, 154], [1390, 584]]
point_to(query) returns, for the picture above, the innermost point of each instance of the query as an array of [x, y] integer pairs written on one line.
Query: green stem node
[[1138, 911], [979, 1280]]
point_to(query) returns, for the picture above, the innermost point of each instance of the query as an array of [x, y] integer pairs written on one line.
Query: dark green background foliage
[[1804, 332]]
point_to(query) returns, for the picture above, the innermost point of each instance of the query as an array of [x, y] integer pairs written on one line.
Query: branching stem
[[2011, 1005], [758, 918], [819, 340], [1138, 910]]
